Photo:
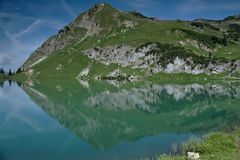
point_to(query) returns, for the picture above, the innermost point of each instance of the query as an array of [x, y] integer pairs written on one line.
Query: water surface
[[104, 120]]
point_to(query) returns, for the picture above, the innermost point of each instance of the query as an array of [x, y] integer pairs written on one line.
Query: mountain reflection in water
[[103, 115]]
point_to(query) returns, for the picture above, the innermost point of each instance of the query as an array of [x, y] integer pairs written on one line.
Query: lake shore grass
[[157, 78], [214, 146], [2, 77]]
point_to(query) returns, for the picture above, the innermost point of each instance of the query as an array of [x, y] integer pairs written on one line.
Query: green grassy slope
[[72, 60]]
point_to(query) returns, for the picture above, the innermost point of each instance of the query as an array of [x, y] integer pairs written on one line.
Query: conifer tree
[[10, 72]]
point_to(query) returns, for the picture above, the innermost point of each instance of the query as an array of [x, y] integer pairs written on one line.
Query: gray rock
[[193, 155]]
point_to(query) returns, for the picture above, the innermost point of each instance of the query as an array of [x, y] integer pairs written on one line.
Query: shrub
[[236, 17], [202, 25], [137, 14], [208, 40]]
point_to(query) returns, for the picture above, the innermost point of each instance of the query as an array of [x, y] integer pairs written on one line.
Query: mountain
[[105, 43]]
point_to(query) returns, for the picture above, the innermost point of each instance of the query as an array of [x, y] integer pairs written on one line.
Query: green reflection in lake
[[104, 115], [111, 117]]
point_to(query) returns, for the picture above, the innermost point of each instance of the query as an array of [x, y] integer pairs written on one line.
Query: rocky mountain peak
[[85, 25], [89, 21]]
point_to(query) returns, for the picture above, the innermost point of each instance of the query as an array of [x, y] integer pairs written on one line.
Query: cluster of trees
[[140, 15], [236, 17], [202, 25], [66, 29], [234, 27], [234, 32], [208, 40], [2, 71], [10, 72]]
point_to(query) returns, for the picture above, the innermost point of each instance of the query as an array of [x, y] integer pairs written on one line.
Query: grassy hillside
[[208, 39]]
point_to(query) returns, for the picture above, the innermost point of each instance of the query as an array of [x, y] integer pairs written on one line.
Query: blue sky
[[26, 24]]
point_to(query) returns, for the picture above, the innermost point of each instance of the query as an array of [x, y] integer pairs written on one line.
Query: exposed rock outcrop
[[157, 57], [89, 21]]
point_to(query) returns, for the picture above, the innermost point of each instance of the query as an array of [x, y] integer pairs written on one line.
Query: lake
[[110, 120]]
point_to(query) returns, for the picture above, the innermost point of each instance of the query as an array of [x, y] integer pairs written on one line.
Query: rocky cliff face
[[157, 57]]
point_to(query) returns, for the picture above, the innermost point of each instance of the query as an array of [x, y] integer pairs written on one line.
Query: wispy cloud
[[67, 8], [24, 30], [191, 6], [15, 27], [4, 59], [139, 4], [28, 29], [15, 46]]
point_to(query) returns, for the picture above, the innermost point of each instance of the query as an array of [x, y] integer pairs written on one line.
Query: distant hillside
[[105, 43]]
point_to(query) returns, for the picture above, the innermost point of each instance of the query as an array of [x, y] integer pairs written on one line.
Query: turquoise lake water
[[106, 120]]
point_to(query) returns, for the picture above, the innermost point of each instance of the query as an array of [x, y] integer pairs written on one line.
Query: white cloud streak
[[4, 59], [67, 8], [16, 47], [140, 4], [31, 27]]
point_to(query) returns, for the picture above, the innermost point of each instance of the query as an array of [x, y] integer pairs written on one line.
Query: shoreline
[[216, 145]]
